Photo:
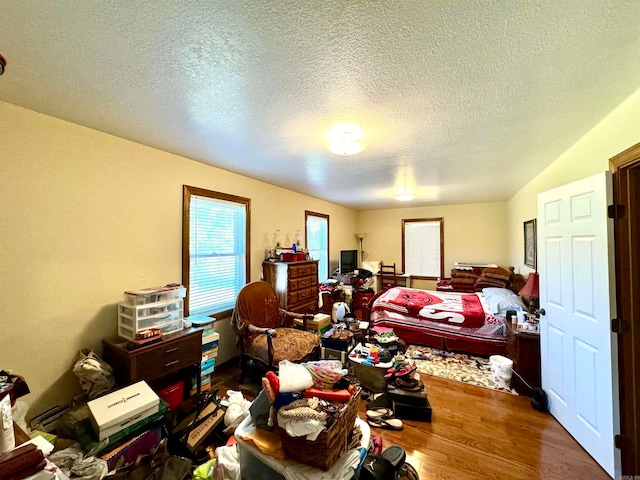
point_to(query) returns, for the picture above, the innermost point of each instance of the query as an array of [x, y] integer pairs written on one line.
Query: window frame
[[307, 214], [440, 220], [188, 192]]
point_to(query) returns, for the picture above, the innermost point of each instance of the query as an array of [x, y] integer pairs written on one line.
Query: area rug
[[455, 366]]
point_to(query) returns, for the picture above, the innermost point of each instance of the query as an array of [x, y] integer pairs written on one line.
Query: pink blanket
[[456, 309]]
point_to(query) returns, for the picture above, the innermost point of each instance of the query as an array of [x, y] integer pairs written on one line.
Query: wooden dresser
[[177, 351], [295, 283]]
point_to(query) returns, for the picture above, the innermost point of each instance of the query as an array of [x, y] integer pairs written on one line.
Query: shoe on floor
[[387, 423]]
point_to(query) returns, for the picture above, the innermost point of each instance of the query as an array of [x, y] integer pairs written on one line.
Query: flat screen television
[[348, 261]]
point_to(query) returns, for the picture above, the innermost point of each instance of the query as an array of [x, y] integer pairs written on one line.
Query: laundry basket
[[501, 370]]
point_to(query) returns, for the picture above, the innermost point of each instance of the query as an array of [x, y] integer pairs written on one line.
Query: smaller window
[[423, 247], [317, 241], [215, 246]]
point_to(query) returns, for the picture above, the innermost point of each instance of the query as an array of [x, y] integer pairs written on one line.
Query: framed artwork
[[530, 251]]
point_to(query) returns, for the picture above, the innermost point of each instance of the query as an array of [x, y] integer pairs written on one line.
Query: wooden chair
[[388, 278], [265, 333]]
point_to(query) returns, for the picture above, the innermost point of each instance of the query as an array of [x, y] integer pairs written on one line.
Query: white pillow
[[502, 299]]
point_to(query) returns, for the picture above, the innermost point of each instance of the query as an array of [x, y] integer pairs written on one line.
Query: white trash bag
[[501, 370]]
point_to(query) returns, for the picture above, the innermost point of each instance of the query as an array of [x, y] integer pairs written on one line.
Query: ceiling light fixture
[[405, 195], [345, 139]]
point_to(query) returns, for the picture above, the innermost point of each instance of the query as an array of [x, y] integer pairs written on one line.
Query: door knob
[[542, 312]]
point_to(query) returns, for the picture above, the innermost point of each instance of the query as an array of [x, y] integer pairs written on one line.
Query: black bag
[[184, 419], [159, 464]]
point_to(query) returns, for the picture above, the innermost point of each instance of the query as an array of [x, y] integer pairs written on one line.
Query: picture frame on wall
[[530, 248]]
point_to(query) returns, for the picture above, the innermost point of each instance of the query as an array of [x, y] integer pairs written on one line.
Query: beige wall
[[590, 155], [472, 233], [85, 216]]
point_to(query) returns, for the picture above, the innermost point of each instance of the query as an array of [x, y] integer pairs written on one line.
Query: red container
[[299, 256], [173, 394]]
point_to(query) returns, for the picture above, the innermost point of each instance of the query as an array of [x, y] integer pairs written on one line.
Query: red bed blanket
[[461, 310]]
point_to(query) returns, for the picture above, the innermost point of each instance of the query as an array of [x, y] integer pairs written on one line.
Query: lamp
[[405, 196], [361, 238], [531, 289], [345, 139]]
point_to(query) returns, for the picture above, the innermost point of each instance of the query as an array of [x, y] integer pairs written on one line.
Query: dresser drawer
[[168, 358], [307, 270], [301, 283], [307, 295]]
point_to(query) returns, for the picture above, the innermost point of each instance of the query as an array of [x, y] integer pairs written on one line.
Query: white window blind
[[422, 247], [318, 243], [217, 254]]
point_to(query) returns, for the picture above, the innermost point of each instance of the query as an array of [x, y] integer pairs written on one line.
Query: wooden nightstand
[[177, 351], [523, 347]]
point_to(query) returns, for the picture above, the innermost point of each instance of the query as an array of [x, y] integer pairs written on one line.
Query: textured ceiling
[[465, 100]]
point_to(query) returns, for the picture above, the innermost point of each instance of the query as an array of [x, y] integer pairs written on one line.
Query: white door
[[577, 291]]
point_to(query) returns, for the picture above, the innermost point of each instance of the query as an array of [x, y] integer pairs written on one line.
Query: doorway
[[626, 187]]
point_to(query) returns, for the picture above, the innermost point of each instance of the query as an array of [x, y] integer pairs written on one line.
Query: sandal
[[407, 472], [395, 454], [387, 423], [409, 384], [401, 370], [379, 413]]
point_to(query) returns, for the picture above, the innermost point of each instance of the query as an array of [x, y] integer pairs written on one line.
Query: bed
[[459, 321]]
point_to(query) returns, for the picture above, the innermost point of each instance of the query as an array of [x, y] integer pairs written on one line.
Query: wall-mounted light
[[345, 138]]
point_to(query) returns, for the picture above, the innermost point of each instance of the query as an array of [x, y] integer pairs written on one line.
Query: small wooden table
[[523, 347], [177, 351]]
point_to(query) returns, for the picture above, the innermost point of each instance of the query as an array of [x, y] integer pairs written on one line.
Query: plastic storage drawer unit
[[139, 312], [173, 323], [154, 294]]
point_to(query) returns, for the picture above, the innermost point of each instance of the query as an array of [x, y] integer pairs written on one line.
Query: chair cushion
[[288, 344]]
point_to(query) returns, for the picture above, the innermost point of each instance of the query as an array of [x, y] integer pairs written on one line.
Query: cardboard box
[[215, 416], [321, 322], [122, 408]]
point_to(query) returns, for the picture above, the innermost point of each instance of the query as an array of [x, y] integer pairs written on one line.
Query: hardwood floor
[[477, 433]]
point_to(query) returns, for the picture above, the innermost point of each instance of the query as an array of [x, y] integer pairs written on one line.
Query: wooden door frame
[[626, 178]]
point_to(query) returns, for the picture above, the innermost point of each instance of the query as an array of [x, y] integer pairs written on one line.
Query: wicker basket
[[330, 444]]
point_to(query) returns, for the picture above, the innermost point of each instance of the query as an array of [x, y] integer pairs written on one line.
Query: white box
[[210, 338], [122, 408]]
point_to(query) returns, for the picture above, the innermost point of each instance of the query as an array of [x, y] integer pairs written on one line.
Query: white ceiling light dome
[[345, 138]]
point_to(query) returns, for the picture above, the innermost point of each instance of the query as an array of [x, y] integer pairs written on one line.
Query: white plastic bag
[[293, 377], [228, 463], [237, 410], [94, 374]]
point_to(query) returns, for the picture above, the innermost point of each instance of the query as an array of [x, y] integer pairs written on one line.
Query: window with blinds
[[423, 247], [215, 250], [318, 241]]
